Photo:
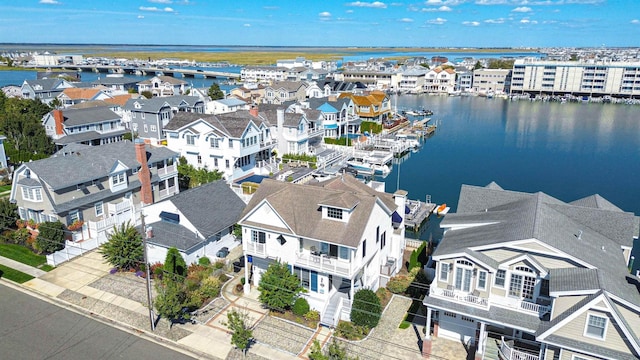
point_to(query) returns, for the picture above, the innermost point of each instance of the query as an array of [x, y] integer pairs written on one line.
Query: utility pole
[[146, 266]]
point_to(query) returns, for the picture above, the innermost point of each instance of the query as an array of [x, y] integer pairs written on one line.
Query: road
[[35, 329]]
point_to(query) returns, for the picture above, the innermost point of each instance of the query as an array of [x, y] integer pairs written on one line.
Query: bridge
[[148, 70]]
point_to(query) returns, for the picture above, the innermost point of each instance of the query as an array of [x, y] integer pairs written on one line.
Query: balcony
[[473, 299], [466, 298], [509, 352], [170, 169], [172, 190], [255, 248], [324, 263]]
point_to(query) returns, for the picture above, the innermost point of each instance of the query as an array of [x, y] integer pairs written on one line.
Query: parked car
[[222, 253]]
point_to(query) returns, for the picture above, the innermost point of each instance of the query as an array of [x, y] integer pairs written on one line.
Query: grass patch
[[46, 267], [404, 324], [22, 254], [14, 275], [4, 188]]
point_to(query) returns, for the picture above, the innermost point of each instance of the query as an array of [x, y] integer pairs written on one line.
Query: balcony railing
[[324, 263], [255, 248], [475, 300], [468, 299], [167, 170], [168, 192], [510, 353]]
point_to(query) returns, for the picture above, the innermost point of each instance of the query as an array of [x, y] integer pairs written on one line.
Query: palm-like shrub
[[124, 248]]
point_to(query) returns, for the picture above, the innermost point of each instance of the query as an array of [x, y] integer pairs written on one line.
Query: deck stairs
[[491, 349], [330, 315]]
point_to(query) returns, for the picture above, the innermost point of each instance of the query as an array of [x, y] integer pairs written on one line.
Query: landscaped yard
[[14, 275], [25, 256]]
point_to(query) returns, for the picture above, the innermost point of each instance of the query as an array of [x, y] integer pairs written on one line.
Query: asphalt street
[[31, 328]]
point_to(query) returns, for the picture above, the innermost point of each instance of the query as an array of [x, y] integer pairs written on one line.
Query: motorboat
[[441, 210]]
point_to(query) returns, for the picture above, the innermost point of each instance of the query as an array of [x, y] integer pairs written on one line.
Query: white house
[[531, 277], [337, 236], [198, 222], [163, 86], [224, 106], [440, 80]]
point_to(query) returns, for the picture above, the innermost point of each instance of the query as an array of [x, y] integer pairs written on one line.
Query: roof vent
[[603, 248], [579, 235]]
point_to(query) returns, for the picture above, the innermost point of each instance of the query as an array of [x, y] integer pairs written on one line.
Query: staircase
[[491, 349], [330, 315]]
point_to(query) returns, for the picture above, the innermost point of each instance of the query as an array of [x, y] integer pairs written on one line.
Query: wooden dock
[[419, 211]]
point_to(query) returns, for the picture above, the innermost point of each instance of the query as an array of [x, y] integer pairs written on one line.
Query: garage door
[[456, 327]]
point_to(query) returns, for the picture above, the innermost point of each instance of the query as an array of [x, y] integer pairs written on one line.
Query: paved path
[[35, 272]]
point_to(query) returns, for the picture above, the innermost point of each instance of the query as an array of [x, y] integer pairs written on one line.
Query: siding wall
[[575, 330]]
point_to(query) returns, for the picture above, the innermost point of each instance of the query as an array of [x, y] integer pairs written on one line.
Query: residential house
[[97, 186], [440, 80], [12, 91], [224, 106], [73, 96], [373, 79], [339, 115], [163, 86], [116, 85], [374, 106], [280, 92], [533, 277], [148, 117], [249, 93], [337, 236], [198, 222], [464, 81], [263, 74], [90, 126], [235, 143], [291, 131], [412, 80], [45, 90], [486, 81]]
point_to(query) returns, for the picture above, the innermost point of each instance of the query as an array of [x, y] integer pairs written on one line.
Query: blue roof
[[331, 126], [326, 108], [396, 218]]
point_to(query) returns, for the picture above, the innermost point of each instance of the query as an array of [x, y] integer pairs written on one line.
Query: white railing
[[324, 263], [509, 353], [167, 170], [464, 297], [345, 304], [535, 308], [168, 191], [255, 248], [116, 208]]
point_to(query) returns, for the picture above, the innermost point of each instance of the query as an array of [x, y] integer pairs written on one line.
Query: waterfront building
[[440, 80], [532, 277], [279, 92], [338, 114], [224, 106], [95, 187], [464, 81], [91, 126], [337, 236], [486, 81], [373, 79], [44, 90], [412, 80], [251, 93], [163, 86], [116, 85], [374, 106], [578, 78], [263, 74], [73, 96], [301, 62]]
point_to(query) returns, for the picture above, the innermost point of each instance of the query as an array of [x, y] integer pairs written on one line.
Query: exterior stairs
[[330, 315], [491, 349]]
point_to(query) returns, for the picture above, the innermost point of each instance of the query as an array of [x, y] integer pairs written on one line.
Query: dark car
[[222, 253]]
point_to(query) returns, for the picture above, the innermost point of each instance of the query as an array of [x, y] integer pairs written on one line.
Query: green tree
[[366, 308], [50, 237], [190, 177], [278, 287], [171, 299], [241, 333], [124, 248], [147, 94], [20, 122], [8, 214], [174, 264], [478, 65], [214, 92]]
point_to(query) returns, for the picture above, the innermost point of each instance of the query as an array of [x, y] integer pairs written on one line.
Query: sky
[[427, 23]]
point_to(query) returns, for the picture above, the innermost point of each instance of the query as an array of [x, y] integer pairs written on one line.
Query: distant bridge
[[145, 70]]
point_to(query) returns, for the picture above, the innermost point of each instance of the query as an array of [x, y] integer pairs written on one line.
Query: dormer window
[[334, 213], [118, 179]]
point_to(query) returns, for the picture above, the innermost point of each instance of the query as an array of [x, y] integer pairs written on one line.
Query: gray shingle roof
[[211, 207], [573, 279], [76, 117], [87, 136], [86, 163], [298, 205], [173, 235], [152, 105], [164, 78]]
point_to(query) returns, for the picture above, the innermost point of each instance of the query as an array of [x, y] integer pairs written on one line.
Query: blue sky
[[428, 23]]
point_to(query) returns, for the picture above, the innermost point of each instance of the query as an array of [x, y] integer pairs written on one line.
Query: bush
[[51, 237], [370, 127], [278, 287], [208, 290], [204, 261], [418, 256], [399, 284], [243, 280], [20, 236], [157, 270], [300, 306], [312, 315], [218, 265], [384, 295], [351, 331], [366, 309]]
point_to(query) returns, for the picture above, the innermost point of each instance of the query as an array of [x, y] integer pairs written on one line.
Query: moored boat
[[441, 210]]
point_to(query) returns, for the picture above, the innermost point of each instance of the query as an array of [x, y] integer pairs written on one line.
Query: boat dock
[[416, 212]]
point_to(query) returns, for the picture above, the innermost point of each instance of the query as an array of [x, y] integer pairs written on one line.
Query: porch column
[[481, 338], [543, 350], [351, 290], [428, 332], [247, 285]]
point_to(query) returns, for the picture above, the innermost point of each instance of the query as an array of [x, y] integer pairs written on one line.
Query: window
[[32, 194], [377, 234], [344, 253], [334, 213], [444, 272], [153, 128], [364, 248], [99, 208], [199, 159], [596, 326], [515, 285], [191, 139], [134, 126], [482, 280], [226, 162], [215, 142], [118, 179], [500, 276], [383, 240], [463, 278], [258, 236], [73, 217]]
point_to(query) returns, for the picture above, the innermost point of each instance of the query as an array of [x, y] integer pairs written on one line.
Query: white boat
[[369, 168], [441, 210]]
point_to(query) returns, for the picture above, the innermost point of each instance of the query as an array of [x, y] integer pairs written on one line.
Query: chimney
[[59, 119], [254, 110], [280, 118], [144, 174]]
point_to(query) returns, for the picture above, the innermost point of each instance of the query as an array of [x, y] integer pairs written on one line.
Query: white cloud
[[168, 9], [437, 21], [349, 11], [140, 16], [406, 20], [444, 8], [635, 21], [49, 2], [495, 21], [444, 2], [161, 1], [537, 2], [154, 9], [441, 8], [471, 23], [325, 14], [375, 4], [527, 21], [246, 25], [396, 4], [522, 9]]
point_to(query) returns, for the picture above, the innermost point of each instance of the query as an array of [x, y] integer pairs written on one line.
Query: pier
[[417, 212]]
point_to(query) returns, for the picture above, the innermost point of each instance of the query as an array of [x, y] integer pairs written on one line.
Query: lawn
[[14, 275], [23, 255], [4, 188]]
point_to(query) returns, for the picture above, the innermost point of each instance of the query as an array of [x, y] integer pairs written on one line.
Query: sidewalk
[[21, 267]]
